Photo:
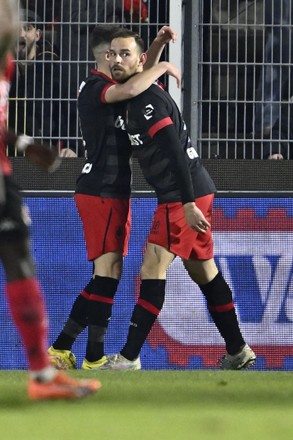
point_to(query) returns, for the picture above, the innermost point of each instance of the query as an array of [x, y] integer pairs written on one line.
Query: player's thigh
[[156, 261]]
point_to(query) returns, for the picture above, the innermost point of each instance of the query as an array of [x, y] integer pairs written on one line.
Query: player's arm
[[140, 82], [41, 155], [154, 52], [168, 140]]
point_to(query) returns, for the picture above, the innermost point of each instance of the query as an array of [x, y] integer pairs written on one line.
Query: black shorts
[[14, 220]]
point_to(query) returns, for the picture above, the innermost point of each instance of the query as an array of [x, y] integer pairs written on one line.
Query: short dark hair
[[102, 34], [127, 33]]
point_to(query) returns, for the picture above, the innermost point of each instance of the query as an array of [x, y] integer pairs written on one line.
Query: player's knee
[[102, 286], [217, 291], [201, 271]]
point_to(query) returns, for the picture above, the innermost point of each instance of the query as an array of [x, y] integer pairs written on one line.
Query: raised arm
[[164, 36]]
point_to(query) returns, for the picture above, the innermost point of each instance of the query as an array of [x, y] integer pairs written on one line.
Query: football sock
[[28, 312], [221, 307], [148, 307], [76, 322], [100, 304]]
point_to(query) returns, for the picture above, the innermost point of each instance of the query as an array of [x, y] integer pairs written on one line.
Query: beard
[[120, 76]]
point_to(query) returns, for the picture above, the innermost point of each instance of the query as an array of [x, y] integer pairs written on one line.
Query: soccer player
[[102, 195], [22, 289], [182, 221]]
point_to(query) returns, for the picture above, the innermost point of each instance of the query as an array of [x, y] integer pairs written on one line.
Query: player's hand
[[41, 155], [173, 71], [276, 156], [165, 35], [67, 152], [195, 218]]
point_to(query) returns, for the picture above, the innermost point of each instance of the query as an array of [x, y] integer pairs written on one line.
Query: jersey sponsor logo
[[191, 153], [119, 123], [256, 257], [135, 139], [148, 111], [87, 168]]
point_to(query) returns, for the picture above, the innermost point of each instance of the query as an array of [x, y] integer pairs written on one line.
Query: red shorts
[[106, 224], [170, 230]]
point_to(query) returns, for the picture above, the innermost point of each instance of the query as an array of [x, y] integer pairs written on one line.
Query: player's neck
[[104, 69]]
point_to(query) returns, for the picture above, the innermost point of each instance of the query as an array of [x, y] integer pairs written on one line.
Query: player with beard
[[182, 221], [102, 195]]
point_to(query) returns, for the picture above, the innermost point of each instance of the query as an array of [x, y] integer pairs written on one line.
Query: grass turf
[[157, 405]]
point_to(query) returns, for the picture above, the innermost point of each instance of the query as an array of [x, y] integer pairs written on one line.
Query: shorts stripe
[[107, 229]]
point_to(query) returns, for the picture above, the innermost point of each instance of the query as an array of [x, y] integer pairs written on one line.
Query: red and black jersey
[[5, 78], [107, 170], [160, 157]]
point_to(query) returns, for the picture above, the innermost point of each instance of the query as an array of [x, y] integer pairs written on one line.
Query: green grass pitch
[[155, 405]]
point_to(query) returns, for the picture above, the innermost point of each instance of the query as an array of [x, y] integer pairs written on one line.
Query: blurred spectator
[[77, 20], [34, 107], [272, 116]]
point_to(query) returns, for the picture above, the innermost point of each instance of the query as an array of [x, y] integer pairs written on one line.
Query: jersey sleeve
[[96, 90], [103, 92]]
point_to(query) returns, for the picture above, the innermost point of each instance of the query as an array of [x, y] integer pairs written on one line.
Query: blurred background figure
[[273, 119], [34, 99]]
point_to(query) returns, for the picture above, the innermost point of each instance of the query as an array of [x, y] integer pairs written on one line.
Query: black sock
[[222, 311], [95, 343], [148, 307], [75, 324], [99, 313], [140, 326]]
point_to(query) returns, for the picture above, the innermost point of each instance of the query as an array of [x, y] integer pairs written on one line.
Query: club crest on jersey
[[148, 111]]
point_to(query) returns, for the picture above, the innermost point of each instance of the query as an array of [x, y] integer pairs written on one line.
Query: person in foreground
[[22, 289], [182, 221], [102, 196]]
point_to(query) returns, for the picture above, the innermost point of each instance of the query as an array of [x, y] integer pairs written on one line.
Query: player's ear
[[143, 58]]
